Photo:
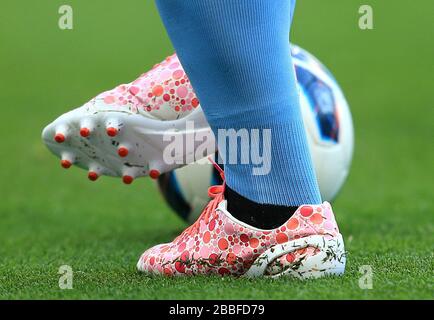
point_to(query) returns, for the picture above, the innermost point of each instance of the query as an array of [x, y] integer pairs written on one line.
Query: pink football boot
[[124, 132], [308, 245]]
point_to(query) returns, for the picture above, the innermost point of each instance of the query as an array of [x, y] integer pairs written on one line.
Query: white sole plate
[[121, 144]]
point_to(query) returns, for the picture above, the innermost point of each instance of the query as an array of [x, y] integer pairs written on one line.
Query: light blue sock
[[237, 56]]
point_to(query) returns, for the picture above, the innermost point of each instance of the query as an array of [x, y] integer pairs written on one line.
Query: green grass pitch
[[50, 217]]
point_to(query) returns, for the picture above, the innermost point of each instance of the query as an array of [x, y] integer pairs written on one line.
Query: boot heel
[[310, 257]]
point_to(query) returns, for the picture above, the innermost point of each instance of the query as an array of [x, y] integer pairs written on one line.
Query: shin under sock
[[237, 56]]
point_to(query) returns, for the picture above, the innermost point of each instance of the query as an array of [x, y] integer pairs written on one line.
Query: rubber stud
[[84, 132], [122, 152], [66, 164], [112, 132], [59, 137], [93, 176], [127, 179], [154, 174]]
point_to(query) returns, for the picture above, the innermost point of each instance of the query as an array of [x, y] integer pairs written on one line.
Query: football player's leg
[[237, 56], [242, 48]]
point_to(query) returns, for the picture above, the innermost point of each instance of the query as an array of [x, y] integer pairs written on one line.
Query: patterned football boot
[[308, 245], [124, 132]]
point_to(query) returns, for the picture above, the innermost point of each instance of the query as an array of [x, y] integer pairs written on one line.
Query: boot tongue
[[223, 206]]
